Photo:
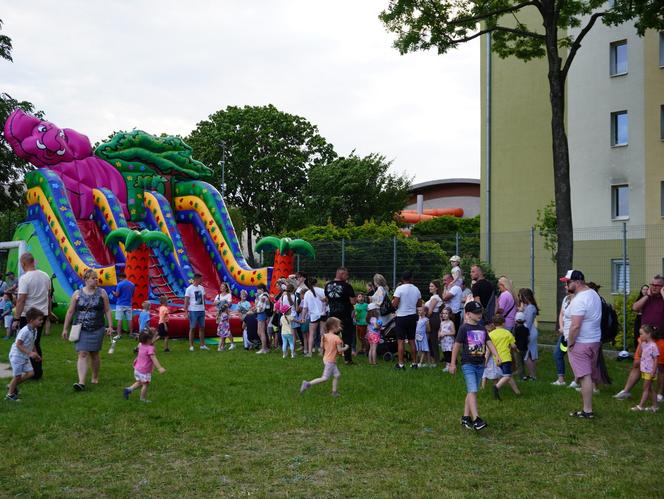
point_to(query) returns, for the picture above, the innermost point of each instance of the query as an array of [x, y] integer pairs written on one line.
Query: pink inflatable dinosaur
[[69, 154]]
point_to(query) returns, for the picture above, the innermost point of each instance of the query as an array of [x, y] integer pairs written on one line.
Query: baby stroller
[[388, 347]]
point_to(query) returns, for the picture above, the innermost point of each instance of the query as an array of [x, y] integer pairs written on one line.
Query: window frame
[[615, 128], [616, 276], [616, 189], [613, 58]]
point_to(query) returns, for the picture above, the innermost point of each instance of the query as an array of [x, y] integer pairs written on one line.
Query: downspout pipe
[[487, 183]]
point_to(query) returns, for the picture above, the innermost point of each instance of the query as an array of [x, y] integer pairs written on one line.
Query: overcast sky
[[163, 66]]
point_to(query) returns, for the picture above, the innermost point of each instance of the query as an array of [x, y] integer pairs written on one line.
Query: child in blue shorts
[[22, 351], [473, 341]]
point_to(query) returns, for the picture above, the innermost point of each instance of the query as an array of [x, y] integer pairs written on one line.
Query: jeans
[[287, 339], [559, 357], [472, 374]]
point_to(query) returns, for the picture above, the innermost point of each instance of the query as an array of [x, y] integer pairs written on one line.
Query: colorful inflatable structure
[[138, 182]]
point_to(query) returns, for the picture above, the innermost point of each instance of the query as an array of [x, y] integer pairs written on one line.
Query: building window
[[661, 50], [619, 202], [618, 54], [619, 128], [661, 122], [619, 276]]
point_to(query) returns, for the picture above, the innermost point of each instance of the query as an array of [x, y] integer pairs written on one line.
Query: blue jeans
[[287, 339], [472, 373], [559, 357], [196, 318]]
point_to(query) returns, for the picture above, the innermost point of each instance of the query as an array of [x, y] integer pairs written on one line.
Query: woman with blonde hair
[[379, 295], [506, 305]]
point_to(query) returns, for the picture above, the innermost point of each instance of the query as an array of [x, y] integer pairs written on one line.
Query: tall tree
[[267, 157], [12, 169], [557, 34], [354, 189]]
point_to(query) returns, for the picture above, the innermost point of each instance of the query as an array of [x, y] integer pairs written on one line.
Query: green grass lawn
[[233, 424]]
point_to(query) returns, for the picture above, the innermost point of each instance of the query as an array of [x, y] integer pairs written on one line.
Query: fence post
[[394, 262], [343, 252], [456, 243], [532, 258], [624, 353]]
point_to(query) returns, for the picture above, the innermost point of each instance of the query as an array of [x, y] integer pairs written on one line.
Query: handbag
[[75, 333], [386, 307]]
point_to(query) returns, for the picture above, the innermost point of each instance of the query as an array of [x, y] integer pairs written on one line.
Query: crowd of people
[[492, 332]]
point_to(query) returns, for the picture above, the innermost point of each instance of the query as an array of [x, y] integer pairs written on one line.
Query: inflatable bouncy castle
[[175, 222]]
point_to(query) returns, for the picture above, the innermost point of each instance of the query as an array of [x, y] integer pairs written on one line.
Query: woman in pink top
[[506, 305], [144, 365]]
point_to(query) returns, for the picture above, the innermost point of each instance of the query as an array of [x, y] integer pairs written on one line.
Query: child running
[[446, 335], [473, 341], [224, 328], [331, 347], [162, 328], [22, 351], [421, 339], [373, 331], [144, 365], [648, 366], [505, 344]]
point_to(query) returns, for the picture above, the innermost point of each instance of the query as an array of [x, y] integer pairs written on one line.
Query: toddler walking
[[22, 351], [331, 347], [421, 339], [287, 337], [144, 365]]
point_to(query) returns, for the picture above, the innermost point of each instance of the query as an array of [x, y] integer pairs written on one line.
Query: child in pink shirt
[[144, 365], [648, 366]]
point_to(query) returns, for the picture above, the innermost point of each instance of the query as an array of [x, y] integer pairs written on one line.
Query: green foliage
[[443, 230], [268, 156], [353, 189], [631, 318], [330, 232], [547, 227], [237, 219]]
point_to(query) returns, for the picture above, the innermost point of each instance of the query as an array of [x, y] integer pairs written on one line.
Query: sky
[[163, 66]]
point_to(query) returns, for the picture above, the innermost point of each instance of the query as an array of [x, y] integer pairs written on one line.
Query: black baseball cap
[[474, 307], [573, 275]]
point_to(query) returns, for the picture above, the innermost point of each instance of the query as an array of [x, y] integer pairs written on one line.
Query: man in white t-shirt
[[194, 304], [406, 300], [34, 288], [585, 337], [452, 297]]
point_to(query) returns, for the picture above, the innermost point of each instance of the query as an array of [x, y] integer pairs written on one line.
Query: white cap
[[455, 258]]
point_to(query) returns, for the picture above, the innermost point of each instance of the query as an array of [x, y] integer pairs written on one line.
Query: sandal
[[638, 408], [582, 414], [79, 387]]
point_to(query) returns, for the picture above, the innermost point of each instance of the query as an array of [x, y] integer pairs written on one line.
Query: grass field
[[233, 424]]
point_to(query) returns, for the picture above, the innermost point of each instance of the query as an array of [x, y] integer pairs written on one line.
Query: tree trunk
[[564, 254], [250, 247]]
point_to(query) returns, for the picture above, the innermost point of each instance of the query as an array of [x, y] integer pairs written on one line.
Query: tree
[[444, 24], [137, 246], [354, 189], [12, 168], [268, 154], [285, 251], [546, 226]]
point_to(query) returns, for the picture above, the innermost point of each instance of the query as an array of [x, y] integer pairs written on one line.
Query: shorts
[[196, 318], [261, 316], [314, 319], [162, 329], [8, 321], [142, 377], [583, 359], [648, 377], [506, 367], [122, 313], [472, 374], [331, 369], [20, 365], [405, 327]]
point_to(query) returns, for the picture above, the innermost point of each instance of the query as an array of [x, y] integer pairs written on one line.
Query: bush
[[443, 230], [631, 318]]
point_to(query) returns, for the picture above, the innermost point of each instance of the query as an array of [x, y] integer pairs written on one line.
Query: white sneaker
[[203, 347], [232, 347], [573, 384], [622, 395], [292, 355], [191, 349], [660, 398], [446, 369], [559, 383], [283, 356]]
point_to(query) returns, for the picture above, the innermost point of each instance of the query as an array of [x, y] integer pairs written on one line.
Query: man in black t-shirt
[[341, 298], [483, 291]]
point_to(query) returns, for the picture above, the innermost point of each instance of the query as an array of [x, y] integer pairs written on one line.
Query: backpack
[[609, 323], [386, 307]]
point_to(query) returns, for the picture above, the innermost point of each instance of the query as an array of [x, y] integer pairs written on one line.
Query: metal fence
[[619, 258]]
